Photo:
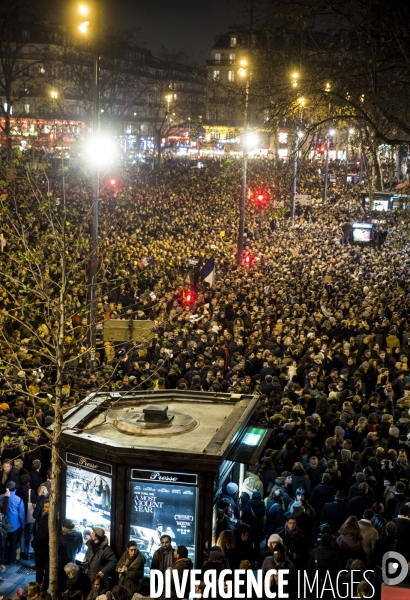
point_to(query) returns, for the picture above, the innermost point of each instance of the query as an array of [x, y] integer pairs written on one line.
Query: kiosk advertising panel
[[88, 496], [162, 502]]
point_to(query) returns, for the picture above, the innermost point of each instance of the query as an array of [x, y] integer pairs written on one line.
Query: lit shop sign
[[164, 477], [81, 462]]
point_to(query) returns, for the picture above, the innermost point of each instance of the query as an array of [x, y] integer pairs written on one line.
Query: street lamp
[[93, 263], [243, 72]]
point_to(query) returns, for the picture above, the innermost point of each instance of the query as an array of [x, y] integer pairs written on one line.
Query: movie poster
[[158, 508], [88, 502]]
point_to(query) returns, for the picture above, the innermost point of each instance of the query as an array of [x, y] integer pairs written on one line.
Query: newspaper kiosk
[[139, 464]]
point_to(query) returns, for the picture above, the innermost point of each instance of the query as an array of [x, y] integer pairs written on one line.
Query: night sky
[[187, 25]]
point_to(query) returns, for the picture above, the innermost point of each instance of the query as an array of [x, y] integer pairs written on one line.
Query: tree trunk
[[7, 132], [53, 518], [159, 153], [378, 182]]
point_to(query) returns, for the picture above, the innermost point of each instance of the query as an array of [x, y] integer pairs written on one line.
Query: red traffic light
[[189, 297], [248, 260], [113, 181], [260, 197]]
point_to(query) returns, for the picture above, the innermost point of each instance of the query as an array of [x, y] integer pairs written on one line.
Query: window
[[27, 108], [25, 35], [232, 56], [217, 57], [231, 76], [216, 75], [233, 41]]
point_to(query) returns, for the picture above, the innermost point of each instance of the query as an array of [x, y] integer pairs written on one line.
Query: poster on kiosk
[[88, 496], [162, 503]]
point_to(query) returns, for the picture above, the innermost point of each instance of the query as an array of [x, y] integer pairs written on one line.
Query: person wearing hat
[[232, 494], [99, 558], [272, 542], [335, 513]]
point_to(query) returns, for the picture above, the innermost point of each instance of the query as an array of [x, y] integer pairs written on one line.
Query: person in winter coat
[[41, 550], [387, 543], [295, 541], [324, 559], [359, 504], [349, 542], [268, 475], [253, 514], [76, 581], [99, 586], [24, 492], [282, 562], [378, 521], [130, 568], [17, 517], [163, 557], [300, 479], [275, 515], [369, 535], [335, 513], [71, 539], [321, 494], [99, 558], [181, 563]]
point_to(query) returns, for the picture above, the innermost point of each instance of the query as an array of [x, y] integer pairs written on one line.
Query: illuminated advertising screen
[[162, 502], [381, 205], [88, 496], [362, 232]]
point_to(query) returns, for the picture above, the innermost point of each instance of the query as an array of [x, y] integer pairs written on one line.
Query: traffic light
[[320, 149], [189, 297], [248, 260], [113, 181], [260, 198]]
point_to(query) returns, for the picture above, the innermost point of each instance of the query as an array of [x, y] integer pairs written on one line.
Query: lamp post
[[328, 134], [349, 133], [295, 157], [243, 72], [93, 262]]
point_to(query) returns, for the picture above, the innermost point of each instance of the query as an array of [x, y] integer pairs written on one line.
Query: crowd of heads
[[314, 325]]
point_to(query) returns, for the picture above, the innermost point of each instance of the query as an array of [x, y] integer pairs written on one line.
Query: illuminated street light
[[83, 27], [351, 131], [100, 151], [244, 62], [250, 139], [83, 10], [54, 94], [332, 132]]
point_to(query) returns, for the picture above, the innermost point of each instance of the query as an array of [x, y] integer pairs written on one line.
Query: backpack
[[5, 523]]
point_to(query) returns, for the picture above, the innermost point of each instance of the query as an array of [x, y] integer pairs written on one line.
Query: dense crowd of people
[[314, 325]]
